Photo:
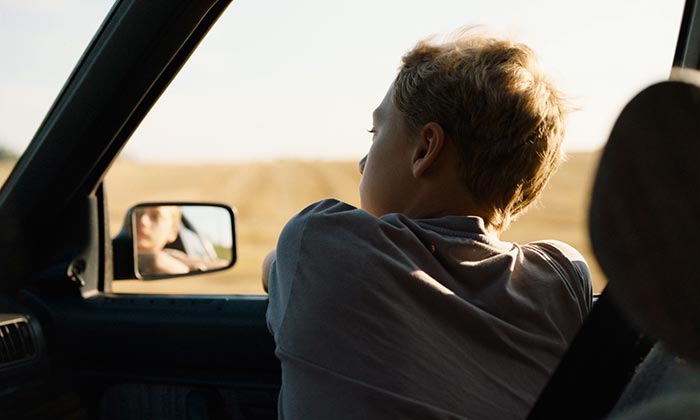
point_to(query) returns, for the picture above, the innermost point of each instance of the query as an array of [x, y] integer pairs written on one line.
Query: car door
[[87, 352]]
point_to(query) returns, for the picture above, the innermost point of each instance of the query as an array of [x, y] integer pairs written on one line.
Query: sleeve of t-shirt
[[283, 270], [578, 278]]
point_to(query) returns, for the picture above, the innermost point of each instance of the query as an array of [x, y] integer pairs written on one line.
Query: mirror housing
[[163, 240]]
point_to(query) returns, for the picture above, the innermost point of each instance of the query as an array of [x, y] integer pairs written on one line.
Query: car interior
[[71, 348]]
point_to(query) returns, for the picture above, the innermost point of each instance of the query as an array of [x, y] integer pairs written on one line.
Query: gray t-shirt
[[380, 318]]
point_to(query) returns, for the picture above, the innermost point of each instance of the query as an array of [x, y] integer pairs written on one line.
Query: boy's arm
[[266, 266]]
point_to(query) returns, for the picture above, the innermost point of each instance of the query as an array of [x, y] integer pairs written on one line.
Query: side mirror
[[165, 240]]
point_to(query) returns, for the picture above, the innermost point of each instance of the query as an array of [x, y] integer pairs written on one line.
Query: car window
[[41, 42], [270, 112]]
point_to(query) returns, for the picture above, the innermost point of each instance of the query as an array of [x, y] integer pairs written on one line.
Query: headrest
[[645, 214]]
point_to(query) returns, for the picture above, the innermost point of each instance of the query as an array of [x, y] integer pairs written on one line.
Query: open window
[[268, 115]]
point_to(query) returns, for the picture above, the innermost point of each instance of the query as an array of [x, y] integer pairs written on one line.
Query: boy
[[411, 307]]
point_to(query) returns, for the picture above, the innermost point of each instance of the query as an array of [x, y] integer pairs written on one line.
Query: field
[[265, 195]]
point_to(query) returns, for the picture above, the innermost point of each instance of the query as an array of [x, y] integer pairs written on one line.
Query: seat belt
[[596, 368]]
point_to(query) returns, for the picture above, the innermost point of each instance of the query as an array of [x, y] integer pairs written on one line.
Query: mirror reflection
[[181, 239]]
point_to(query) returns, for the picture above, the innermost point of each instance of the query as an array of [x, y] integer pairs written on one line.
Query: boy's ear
[[431, 141]]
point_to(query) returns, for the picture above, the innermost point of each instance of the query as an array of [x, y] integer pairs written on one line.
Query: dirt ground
[[266, 195]]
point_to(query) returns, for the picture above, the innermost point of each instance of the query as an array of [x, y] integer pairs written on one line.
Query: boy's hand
[[267, 264]]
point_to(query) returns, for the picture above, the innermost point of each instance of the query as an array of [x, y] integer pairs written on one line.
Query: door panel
[[218, 347]]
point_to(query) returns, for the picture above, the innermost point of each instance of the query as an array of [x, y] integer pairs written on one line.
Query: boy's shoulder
[[326, 214], [328, 207], [565, 257], [558, 247]]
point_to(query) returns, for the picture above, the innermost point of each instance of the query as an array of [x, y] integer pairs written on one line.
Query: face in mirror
[[181, 239]]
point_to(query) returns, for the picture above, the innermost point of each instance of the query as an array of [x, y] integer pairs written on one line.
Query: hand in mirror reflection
[[166, 245]]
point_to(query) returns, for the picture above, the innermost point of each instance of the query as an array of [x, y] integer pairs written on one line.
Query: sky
[[284, 79]]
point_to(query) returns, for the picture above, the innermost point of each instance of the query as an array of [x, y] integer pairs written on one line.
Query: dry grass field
[[266, 195]]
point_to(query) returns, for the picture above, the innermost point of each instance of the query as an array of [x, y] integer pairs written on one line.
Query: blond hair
[[505, 118]]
